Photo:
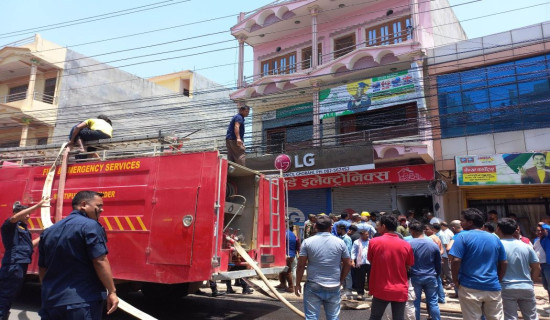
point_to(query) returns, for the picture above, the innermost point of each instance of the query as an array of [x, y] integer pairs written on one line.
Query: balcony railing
[[305, 65], [372, 135], [23, 95]]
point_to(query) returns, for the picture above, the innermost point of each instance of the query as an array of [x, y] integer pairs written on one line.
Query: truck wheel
[[158, 291]]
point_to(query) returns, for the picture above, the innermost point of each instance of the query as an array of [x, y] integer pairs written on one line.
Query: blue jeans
[[87, 134], [316, 295], [440, 291], [545, 272], [429, 285], [348, 283]]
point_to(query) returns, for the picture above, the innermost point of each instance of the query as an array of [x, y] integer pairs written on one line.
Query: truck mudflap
[[230, 275]]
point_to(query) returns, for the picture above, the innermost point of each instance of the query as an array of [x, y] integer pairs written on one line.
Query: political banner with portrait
[[503, 169], [368, 94]]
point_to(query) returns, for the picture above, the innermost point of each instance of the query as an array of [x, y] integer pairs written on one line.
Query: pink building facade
[[330, 74]]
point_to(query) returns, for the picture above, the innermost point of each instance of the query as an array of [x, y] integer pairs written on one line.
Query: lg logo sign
[[307, 161], [283, 162]]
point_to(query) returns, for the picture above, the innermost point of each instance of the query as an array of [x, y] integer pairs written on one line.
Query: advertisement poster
[[503, 169], [368, 94]]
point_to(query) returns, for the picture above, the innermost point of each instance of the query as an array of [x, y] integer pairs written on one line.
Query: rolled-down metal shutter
[[362, 198], [303, 202], [413, 189]]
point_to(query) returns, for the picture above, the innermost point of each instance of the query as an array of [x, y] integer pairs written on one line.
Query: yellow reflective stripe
[[108, 223], [141, 224], [32, 224], [118, 223], [39, 220], [130, 223]]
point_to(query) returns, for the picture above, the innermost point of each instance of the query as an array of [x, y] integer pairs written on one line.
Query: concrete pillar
[[32, 79], [424, 123], [314, 11], [316, 114], [418, 76], [439, 203], [240, 80], [360, 38], [415, 21], [24, 133]]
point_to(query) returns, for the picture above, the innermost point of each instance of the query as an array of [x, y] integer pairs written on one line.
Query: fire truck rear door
[[171, 242]]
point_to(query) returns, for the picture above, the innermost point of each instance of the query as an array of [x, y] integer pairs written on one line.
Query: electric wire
[[94, 18], [210, 34], [172, 95]]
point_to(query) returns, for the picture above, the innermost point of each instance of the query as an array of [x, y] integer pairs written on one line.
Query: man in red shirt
[[390, 258]]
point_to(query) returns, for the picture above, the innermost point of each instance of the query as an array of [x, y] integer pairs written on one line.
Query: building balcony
[[368, 61], [388, 145], [38, 107]]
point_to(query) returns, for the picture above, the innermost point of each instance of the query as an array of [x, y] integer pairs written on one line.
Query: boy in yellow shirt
[[90, 130]]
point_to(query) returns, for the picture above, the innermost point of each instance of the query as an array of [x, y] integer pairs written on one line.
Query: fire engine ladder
[[107, 149], [274, 213]]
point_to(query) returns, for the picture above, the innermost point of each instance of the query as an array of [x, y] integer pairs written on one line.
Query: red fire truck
[[167, 214]]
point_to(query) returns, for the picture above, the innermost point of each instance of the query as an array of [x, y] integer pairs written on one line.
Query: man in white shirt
[[432, 219]]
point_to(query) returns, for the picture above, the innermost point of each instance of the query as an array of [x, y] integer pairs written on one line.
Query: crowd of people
[[484, 261]]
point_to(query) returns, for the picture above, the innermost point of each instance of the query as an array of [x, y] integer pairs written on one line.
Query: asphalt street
[[230, 306]]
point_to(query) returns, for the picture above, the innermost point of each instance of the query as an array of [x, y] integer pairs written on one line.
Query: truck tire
[[159, 291]]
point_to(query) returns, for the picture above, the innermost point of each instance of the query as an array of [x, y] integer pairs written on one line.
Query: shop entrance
[[528, 211], [415, 202]]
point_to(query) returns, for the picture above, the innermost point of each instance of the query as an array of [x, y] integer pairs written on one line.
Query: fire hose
[[45, 215], [240, 250]]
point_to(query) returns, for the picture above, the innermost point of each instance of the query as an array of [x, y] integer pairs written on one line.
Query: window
[[384, 35], [18, 93], [391, 32], [276, 140], [285, 64], [42, 141], [372, 37], [185, 84], [49, 90], [374, 125], [289, 138], [306, 56], [344, 45], [503, 97]]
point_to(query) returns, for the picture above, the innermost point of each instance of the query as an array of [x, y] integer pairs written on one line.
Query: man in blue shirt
[[234, 138], [292, 245], [478, 263], [342, 234], [523, 267], [344, 220], [19, 247], [425, 271], [328, 263], [74, 269]]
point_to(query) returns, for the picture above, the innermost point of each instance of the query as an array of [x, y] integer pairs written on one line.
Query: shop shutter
[[303, 202], [361, 198], [413, 189]]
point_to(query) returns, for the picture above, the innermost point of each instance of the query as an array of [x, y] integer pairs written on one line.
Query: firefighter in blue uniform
[[19, 247]]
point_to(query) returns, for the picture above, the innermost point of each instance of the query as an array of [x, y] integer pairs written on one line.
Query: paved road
[[234, 306]]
